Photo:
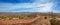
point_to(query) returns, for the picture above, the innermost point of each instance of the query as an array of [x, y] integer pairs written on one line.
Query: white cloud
[[48, 7], [40, 7]]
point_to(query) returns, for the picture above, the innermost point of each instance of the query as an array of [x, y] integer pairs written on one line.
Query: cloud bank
[[36, 6]]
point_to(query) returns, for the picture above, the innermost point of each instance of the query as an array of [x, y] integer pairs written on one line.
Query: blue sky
[[30, 6]]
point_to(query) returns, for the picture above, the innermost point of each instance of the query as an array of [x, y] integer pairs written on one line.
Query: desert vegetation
[[34, 19], [11, 16]]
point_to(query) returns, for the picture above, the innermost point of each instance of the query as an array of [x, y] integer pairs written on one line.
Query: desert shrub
[[45, 17], [3, 17], [32, 16], [55, 22], [21, 17], [10, 18]]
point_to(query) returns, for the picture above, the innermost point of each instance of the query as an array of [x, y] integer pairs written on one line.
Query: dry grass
[[55, 21], [17, 19]]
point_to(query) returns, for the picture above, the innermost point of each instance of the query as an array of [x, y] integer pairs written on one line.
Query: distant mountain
[[27, 13]]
